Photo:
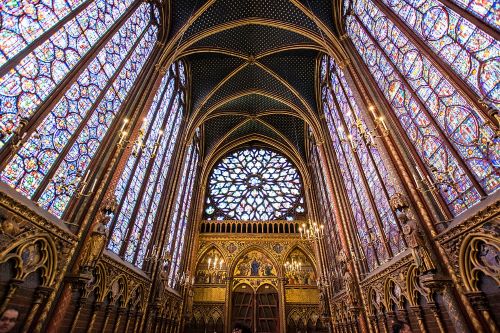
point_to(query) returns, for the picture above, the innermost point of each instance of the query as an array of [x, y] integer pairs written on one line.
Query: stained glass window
[[367, 178], [486, 10], [333, 245], [31, 76], [179, 220], [457, 145], [254, 184], [141, 185], [469, 51], [52, 162]]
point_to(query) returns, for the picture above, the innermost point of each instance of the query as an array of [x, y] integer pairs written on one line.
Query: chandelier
[[311, 231], [294, 267], [214, 263]]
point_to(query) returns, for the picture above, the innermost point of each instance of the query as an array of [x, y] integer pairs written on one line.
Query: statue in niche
[[350, 288], [94, 247], [243, 268], [413, 235], [268, 269], [98, 238]]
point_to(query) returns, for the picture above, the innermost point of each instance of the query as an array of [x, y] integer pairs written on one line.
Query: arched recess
[[241, 267], [31, 254], [307, 274], [211, 267]]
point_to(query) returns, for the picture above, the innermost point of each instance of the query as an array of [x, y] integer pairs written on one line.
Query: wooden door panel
[[267, 312], [243, 308]]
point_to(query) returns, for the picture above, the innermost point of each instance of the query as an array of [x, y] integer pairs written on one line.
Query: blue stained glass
[[37, 155], [421, 131], [29, 83], [437, 94], [24, 21], [471, 53], [486, 10], [161, 128], [180, 216], [83, 150], [151, 127], [171, 127], [368, 156], [254, 184]]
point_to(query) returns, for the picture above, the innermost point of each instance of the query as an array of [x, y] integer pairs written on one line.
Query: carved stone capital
[[435, 283], [478, 300]]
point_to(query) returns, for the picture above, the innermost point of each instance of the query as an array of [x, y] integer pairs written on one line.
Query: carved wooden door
[[243, 307], [267, 315]]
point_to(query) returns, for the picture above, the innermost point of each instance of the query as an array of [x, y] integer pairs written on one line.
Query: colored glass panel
[[421, 131], [35, 158], [254, 184], [56, 197], [172, 128], [486, 10], [364, 215], [28, 84], [135, 171], [180, 216], [23, 21], [470, 52], [460, 122], [376, 174]]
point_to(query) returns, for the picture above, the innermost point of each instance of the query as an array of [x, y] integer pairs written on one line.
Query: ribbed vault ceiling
[[252, 66]]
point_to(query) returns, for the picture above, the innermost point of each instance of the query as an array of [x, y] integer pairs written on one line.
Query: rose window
[[254, 184]]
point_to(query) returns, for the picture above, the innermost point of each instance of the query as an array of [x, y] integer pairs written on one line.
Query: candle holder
[[366, 136], [185, 279], [215, 264], [311, 231], [156, 255], [293, 267], [442, 179]]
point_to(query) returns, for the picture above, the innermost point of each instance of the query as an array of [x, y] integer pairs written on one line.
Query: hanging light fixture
[[311, 231]]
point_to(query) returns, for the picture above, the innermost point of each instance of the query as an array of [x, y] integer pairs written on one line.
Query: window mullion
[[470, 17], [470, 96], [15, 60], [414, 154], [53, 98], [163, 161], [136, 162], [370, 155]]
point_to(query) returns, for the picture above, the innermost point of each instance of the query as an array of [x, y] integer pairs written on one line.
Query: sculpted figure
[[350, 287], [413, 235], [416, 242], [94, 246]]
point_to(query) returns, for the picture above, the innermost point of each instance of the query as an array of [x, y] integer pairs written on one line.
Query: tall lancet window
[[180, 215], [141, 186], [65, 72], [368, 181], [323, 194], [254, 184], [433, 65]]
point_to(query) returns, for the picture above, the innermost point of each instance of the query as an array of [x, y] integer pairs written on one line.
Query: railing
[[250, 227]]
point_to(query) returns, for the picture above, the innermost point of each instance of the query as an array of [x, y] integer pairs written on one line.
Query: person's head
[[401, 327], [8, 320], [240, 328]]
